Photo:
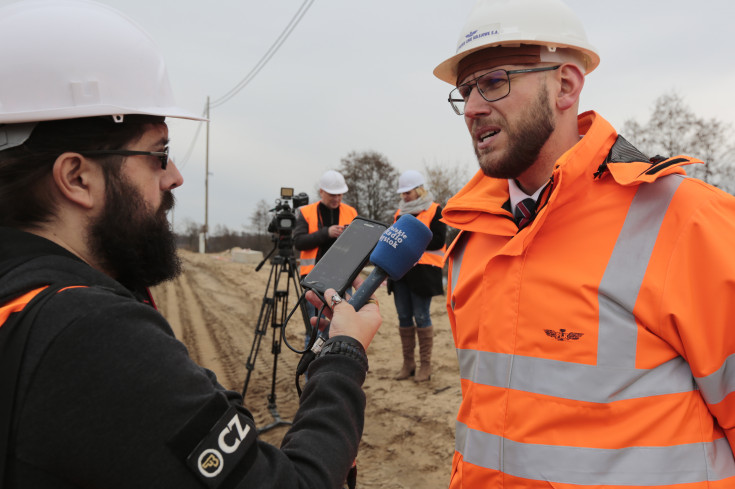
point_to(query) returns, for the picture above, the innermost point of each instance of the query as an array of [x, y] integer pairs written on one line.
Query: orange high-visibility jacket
[[430, 257], [311, 215], [596, 346]]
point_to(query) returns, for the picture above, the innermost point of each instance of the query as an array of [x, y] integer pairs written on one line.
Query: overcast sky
[[357, 76]]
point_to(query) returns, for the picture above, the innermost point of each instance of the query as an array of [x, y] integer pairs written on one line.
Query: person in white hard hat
[[591, 286], [319, 224], [96, 390], [413, 292]]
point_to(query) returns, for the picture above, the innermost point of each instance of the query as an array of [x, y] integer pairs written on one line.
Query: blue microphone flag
[[400, 246], [398, 249]]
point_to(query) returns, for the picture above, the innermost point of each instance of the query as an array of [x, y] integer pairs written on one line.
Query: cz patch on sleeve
[[223, 448]]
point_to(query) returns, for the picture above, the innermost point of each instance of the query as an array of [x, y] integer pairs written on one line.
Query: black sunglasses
[[161, 155]]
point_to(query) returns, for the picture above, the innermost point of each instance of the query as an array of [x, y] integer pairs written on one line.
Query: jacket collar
[[483, 204]]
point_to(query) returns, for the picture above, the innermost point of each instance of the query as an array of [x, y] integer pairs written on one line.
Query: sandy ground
[[409, 429]]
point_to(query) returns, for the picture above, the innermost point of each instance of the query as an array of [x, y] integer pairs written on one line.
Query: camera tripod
[[273, 311]]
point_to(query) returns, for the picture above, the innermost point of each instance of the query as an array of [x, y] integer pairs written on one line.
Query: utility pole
[[205, 229]]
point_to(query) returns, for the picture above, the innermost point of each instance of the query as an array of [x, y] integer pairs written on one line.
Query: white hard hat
[[510, 23], [409, 180], [333, 182], [65, 59]]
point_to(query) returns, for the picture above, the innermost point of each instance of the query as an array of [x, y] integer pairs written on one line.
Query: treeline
[[222, 239]]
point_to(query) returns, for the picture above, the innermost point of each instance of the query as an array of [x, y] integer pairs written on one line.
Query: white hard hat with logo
[[550, 24], [333, 183], [66, 59], [409, 180]]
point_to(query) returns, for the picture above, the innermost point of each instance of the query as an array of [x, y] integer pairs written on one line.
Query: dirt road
[[408, 441]]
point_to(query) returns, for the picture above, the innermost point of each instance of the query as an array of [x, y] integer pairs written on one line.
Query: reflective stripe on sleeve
[[574, 381], [457, 256], [718, 385], [650, 466], [621, 282]]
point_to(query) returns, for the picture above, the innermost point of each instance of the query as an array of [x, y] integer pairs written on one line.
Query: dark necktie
[[525, 212]]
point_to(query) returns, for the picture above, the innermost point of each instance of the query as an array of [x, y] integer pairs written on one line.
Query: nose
[[476, 106], [173, 177]]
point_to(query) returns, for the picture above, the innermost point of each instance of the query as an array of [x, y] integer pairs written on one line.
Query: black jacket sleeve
[[114, 400]]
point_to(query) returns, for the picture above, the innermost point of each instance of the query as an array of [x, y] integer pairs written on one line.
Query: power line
[[189, 151], [295, 20], [267, 56]]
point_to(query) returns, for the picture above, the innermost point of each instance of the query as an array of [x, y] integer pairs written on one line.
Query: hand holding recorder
[[398, 249]]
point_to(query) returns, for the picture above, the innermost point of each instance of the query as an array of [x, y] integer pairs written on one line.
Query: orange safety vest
[[307, 259], [430, 257], [596, 345], [19, 303]]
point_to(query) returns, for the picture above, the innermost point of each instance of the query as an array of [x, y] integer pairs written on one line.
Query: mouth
[[487, 135], [167, 202]]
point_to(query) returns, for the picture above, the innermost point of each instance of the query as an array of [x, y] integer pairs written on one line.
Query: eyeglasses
[[161, 155], [491, 86]]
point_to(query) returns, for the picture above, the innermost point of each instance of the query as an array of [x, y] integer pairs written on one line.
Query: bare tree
[[710, 138], [674, 129], [189, 237], [444, 181], [260, 218], [372, 184]]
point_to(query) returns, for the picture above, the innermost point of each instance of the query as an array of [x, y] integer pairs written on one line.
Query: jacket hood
[[601, 153]]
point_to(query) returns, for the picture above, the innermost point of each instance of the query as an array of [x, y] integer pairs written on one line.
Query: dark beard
[[525, 140], [133, 245]]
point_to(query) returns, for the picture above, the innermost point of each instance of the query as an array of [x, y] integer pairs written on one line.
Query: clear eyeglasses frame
[[161, 155], [492, 86]]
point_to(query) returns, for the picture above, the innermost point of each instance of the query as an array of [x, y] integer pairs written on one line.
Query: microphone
[[399, 248]]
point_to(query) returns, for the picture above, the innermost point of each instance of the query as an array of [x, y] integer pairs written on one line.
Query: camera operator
[[318, 225], [99, 393]]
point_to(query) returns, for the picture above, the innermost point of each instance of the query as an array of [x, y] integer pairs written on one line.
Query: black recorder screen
[[346, 257]]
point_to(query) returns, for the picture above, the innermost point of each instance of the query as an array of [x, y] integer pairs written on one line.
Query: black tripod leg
[[261, 328], [280, 310], [260, 331]]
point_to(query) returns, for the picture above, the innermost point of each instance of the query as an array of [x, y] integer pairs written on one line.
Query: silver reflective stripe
[[650, 466], [305, 262], [623, 276], [587, 383], [718, 385], [435, 253], [457, 256]]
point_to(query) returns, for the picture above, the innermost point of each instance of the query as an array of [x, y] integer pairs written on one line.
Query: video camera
[[284, 220]]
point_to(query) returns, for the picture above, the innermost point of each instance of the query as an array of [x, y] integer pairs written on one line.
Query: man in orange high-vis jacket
[[593, 322], [319, 224]]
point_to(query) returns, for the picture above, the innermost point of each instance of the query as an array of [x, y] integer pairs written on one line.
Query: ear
[[79, 180], [571, 80]]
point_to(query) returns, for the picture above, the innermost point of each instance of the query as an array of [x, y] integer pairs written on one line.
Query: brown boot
[[408, 343], [426, 341]]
